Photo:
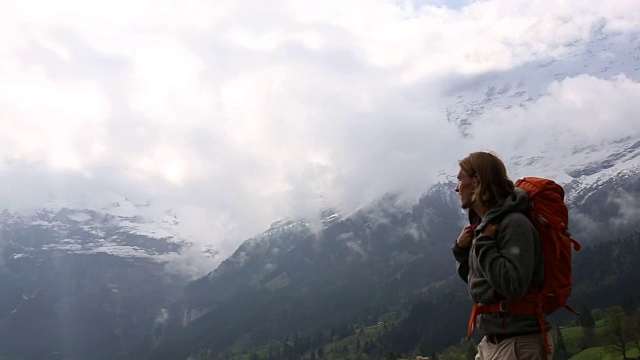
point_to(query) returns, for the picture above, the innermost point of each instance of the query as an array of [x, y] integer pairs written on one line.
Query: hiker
[[499, 255]]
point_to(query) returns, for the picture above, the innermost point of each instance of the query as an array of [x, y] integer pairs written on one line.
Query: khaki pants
[[521, 347]]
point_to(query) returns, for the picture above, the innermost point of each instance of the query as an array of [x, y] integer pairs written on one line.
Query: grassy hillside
[[602, 353]]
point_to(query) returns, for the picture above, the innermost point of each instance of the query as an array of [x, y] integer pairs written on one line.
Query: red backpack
[[549, 215]]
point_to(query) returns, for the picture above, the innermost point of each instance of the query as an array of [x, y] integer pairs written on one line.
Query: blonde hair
[[494, 184]]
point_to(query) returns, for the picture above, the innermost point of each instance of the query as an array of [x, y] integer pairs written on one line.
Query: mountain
[[390, 260], [580, 163], [384, 259], [87, 231], [602, 54], [80, 283], [289, 279], [608, 208], [93, 282]]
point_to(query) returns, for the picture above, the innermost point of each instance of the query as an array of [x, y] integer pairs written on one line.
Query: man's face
[[465, 188]]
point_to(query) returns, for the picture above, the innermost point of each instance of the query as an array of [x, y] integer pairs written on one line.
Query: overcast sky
[[236, 113]]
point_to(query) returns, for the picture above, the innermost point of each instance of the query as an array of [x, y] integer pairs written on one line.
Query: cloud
[[236, 113], [578, 117], [628, 210]]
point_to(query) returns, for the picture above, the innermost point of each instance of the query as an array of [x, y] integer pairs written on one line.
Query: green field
[[573, 336], [602, 353]]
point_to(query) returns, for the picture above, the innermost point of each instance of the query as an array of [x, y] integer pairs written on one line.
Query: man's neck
[[480, 210]]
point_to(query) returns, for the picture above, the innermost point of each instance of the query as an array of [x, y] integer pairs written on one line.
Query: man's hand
[[465, 238]]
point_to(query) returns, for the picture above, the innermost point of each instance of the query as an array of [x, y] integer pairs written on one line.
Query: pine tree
[[589, 338], [634, 332], [586, 318], [560, 351], [587, 323], [629, 305]]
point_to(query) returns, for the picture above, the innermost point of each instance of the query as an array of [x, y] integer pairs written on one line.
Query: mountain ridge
[[106, 266]]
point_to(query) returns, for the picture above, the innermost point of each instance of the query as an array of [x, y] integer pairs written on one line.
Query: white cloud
[[238, 113], [574, 115]]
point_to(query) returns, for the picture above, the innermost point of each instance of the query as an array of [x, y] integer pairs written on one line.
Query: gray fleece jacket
[[502, 267]]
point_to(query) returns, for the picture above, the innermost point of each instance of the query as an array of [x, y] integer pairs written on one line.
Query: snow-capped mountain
[[578, 161], [602, 55], [87, 231], [121, 228], [83, 283], [67, 262]]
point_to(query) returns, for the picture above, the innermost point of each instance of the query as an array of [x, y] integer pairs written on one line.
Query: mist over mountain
[[387, 257], [382, 259], [138, 227]]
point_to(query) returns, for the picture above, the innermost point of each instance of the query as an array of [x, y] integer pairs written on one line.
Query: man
[[499, 255]]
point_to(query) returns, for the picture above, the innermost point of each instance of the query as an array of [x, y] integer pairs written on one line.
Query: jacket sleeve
[[508, 261], [462, 261]]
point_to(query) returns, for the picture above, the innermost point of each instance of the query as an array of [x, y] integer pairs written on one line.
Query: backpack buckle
[[504, 306]]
